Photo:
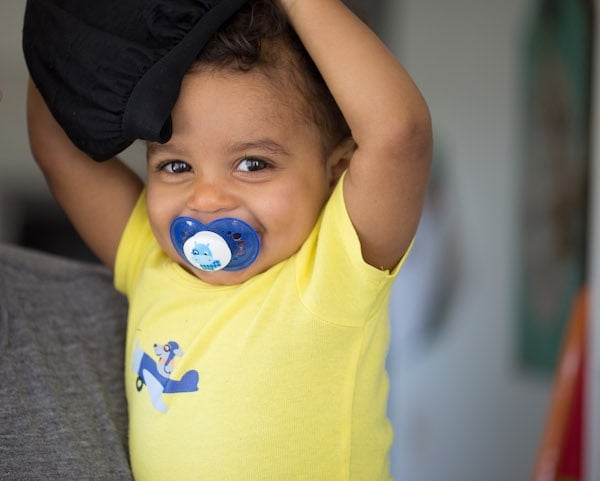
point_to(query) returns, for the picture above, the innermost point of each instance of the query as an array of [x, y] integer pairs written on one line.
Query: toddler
[[259, 254]]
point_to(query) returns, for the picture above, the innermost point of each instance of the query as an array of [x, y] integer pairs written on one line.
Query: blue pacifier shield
[[229, 244]]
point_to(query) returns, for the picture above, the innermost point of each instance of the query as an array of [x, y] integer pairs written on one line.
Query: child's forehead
[[230, 110], [269, 90]]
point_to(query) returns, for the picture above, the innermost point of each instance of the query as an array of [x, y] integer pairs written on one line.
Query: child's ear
[[339, 160]]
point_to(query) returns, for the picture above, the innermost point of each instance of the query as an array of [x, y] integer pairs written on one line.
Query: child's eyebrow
[[265, 144]]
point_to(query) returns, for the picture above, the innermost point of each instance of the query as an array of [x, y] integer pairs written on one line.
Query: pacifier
[[228, 243]]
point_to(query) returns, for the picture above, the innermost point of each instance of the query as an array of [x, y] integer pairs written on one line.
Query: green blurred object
[[554, 170]]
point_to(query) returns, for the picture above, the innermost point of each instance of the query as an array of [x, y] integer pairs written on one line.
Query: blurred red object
[[561, 453]]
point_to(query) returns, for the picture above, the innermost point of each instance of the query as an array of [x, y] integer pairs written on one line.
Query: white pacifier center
[[207, 251]]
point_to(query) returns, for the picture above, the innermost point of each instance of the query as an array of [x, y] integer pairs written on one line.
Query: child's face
[[240, 148]]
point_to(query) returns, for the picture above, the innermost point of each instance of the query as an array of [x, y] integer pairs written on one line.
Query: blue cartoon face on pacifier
[[229, 244]]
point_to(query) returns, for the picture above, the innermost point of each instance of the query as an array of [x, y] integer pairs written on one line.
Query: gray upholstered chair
[[62, 407]]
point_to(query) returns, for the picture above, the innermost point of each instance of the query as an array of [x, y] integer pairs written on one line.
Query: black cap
[[111, 70]]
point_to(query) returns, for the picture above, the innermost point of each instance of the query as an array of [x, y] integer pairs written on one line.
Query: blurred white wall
[[462, 409], [17, 170]]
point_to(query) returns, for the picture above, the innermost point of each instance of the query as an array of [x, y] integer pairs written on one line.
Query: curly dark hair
[[259, 36]]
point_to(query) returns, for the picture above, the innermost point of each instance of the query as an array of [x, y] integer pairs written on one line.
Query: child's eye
[[251, 164], [175, 167]]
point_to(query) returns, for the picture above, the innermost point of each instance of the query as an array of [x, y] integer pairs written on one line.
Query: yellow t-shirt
[[280, 378]]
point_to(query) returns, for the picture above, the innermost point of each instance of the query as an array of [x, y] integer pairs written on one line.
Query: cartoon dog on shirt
[[156, 375]]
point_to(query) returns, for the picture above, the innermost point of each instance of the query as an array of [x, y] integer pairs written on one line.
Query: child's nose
[[211, 196]]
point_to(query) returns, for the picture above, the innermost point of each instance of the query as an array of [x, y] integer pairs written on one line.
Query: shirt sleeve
[[133, 247], [333, 279]]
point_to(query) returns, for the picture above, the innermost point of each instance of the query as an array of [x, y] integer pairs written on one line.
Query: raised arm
[[387, 178], [97, 197]]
